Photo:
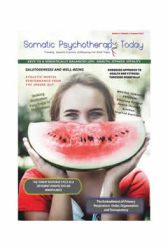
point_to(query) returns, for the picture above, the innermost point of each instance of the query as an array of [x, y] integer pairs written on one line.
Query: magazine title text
[[110, 45]]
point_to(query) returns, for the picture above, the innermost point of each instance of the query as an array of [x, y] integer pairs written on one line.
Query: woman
[[83, 98]]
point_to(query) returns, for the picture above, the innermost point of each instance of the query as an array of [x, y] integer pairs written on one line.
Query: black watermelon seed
[[102, 138], [109, 139], [84, 139], [60, 138], [116, 135], [90, 138], [123, 133], [54, 135], [81, 139], [64, 140], [126, 131]]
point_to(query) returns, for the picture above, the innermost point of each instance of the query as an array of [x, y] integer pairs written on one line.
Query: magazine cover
[[84, 126]]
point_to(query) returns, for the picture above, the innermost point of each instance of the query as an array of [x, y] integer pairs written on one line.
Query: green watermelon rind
[[89, 169]]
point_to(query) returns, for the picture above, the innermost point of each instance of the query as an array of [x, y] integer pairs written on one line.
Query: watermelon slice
[[75, 146]]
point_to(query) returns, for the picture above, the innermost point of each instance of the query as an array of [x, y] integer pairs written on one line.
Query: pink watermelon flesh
[[77, 146]]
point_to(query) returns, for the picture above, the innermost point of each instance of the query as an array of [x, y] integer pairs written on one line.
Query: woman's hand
[[114, 176], [45, 168]]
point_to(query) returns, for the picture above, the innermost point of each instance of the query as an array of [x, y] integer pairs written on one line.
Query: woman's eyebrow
[[96, 109], [71, 110]]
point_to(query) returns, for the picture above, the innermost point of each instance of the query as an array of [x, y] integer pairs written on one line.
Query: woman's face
[[83, 104]]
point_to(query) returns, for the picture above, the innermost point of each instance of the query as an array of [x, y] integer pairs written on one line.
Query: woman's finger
[[137, 157], [35, 157], [40, 164]]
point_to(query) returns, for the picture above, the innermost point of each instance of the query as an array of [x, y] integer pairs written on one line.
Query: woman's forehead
[[79, 97]]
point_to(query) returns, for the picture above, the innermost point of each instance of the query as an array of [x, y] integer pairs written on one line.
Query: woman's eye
[[96, 115], [72, 116]]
